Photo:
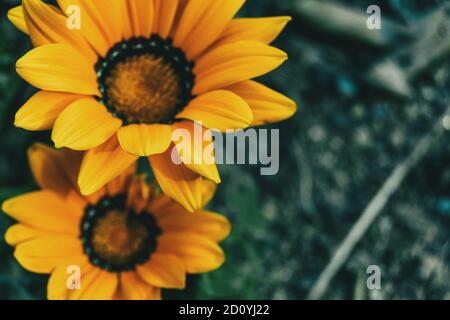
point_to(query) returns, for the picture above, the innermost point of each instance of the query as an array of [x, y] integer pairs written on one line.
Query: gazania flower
[[126, 241], [138, 69]]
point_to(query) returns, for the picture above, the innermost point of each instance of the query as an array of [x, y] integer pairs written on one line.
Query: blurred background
[[366, 98]]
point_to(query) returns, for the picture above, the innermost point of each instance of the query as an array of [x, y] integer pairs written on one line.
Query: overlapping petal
[[195, 146], [58, 67], [164, 271], [84, 125], [47, 24], [199, 253], [15, 15], [176, 180], [235, 62], [219, 110], [42, 109], [267, 105], [102, 164], [145, 140], [101, 22]]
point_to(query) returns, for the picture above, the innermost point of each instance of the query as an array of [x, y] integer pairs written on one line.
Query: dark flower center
[[116, 238], [145, 80]]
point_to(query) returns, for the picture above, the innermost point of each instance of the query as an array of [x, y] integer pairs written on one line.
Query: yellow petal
[[15, 15], [96, 284], [164, 271], [145, 140], [84, 125], [49, 170], [101, 22], [193, 11], [219, 110], [177, 181], [132, 287], [165, 13], [42, 109], [214, 226], [163, 203], [58, 67], [139, 193], [57, 171], [42, 255], [121, 183], [198, 253], [208, 191], [235, 62], [267, 105], [46, 24], [265, 30], [211, 24], [19, 233], [139, 14], [59, 281], [196, 148], [101, 165], [44, 210]]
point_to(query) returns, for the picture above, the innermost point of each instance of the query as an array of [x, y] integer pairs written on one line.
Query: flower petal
[[139, 14], [58, 67], [102, 164], [219, 110], [264, 30], [85, 124], [267, 105], [208, 191], [19, 233], [15, 15], [199, 253], [53, 170], [177, 181], [212, 225], [46, 24], [96, 284], [196, 149], [44, 210], [164, 271], [101, 22], [42, 109], [145, 140], [122, 182], [42, 255], [235, 62], [133, 287], [57, 287], [211, 24], [57, 171], [191, 14], [165, 13]]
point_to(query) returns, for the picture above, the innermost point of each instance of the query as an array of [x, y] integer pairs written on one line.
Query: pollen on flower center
[[145, 80], [116, 238]]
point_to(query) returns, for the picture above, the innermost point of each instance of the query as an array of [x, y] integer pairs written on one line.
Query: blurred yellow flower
[[127, 240], [135, 70]]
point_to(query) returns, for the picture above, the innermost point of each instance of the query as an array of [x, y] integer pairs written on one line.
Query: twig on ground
[[374, 208]]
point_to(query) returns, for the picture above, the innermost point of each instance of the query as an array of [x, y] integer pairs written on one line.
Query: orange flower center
[[116, 238], [145, 80], [144, 89]]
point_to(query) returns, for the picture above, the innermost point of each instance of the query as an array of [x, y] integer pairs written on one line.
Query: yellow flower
[[127, 241], [137, 69]]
